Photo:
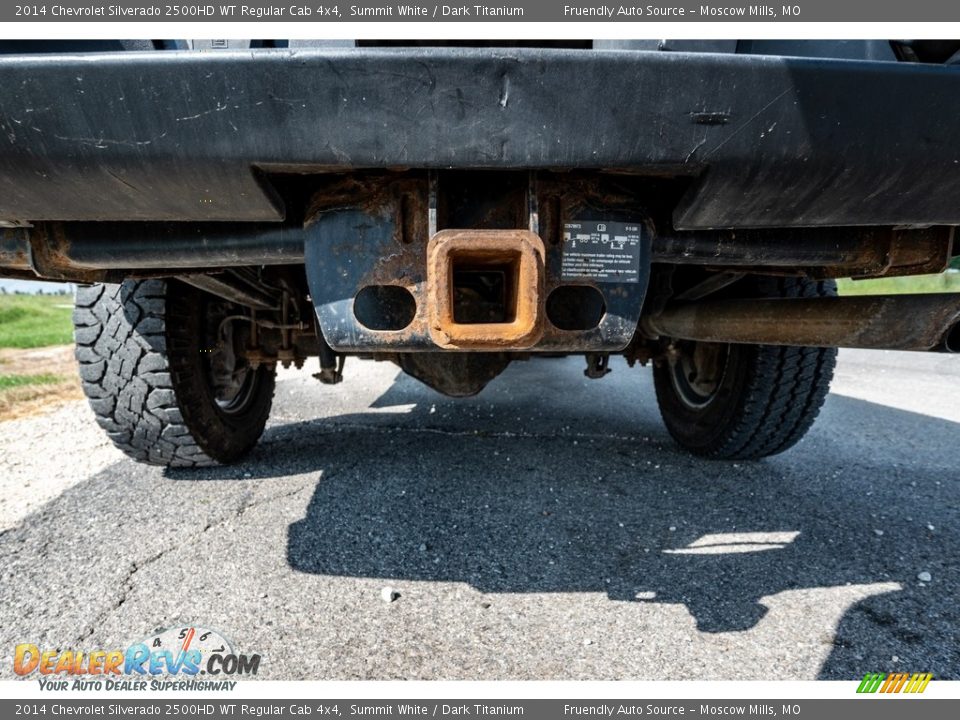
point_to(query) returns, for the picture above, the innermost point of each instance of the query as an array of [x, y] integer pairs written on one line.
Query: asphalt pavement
[[547, 529]]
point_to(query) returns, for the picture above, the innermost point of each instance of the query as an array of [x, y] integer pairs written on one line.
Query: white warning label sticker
[[601, 251]]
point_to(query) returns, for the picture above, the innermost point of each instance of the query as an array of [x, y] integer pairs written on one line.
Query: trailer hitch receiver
[[485, 289]]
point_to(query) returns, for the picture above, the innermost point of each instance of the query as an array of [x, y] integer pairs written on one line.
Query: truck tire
[[745, 402], [149, 353]]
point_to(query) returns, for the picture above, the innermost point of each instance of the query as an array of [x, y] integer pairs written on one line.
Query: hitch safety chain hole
[[384, 307], [575, 307]]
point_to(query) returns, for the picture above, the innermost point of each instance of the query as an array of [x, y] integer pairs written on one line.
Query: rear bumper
[[765, 141]]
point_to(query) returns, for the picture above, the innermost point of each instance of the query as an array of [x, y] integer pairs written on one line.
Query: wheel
[[159, 365], [745, 402]]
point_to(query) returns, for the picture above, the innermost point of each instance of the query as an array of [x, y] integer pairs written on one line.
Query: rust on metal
[[892, 322], [920, 252], [50, 256], [813, 252], [518, 252], [374, 231], [402, 198], [14, 249]]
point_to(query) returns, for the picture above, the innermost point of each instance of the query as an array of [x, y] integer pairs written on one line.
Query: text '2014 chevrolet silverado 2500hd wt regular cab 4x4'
[[453, 209]]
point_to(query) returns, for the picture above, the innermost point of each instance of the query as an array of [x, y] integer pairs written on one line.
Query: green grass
[[945, 282], [31, 321], [14, 381]]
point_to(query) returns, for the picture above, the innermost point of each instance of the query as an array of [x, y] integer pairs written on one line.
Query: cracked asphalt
[[547, 529]]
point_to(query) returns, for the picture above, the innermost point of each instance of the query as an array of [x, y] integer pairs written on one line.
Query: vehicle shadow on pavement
[[513, 509]]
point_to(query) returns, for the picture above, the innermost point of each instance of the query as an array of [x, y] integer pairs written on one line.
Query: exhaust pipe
[[890, 322]]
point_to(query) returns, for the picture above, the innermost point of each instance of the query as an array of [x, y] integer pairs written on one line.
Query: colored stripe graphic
[[894, 683], [898, 682], [889, 682], [870, 683], [918, 683]]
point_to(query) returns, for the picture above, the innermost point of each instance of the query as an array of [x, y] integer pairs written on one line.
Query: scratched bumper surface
[[766, 141]]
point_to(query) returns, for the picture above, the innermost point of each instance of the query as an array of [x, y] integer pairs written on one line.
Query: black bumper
[[766, 141]]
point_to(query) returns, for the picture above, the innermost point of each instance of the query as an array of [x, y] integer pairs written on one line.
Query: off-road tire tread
[[121, 348], [136, 387]]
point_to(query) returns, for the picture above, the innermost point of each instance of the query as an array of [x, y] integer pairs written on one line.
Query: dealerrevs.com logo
[[181, 658]]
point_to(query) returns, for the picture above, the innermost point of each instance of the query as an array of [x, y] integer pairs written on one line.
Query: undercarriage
[[454, 210]]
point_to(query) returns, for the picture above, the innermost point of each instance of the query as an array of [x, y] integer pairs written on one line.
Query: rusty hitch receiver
[[890, 322], [462, 263], [472, 264]]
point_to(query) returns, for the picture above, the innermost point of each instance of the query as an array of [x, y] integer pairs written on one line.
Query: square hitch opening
[[485, 289]]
